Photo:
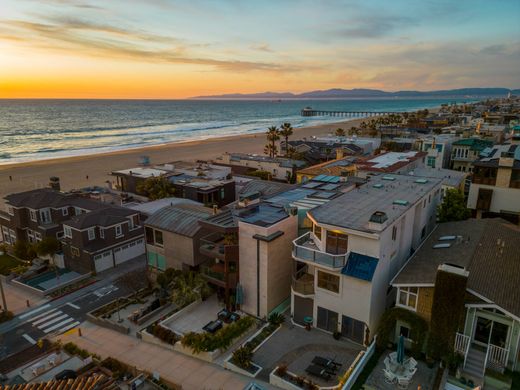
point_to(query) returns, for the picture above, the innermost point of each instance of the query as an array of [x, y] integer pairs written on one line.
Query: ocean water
[[42, 129]]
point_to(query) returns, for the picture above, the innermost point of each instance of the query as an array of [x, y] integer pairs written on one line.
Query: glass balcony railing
[[303, 283], [305, 249]]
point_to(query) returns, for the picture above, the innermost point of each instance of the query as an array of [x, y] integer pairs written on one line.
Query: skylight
[[389, 178], [401, 202], [378, 185], [447, 238], [421, 181]]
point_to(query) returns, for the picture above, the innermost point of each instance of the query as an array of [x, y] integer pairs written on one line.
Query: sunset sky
[[176, 49]]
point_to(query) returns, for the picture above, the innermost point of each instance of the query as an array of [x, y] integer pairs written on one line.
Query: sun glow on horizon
[[164, 49]]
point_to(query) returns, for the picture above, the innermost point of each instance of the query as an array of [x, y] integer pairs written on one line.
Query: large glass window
[[408, 297], [336, 242], [328, 281], [327, 319], [158, 237], [149, 235], [317, 232], [353, 329]]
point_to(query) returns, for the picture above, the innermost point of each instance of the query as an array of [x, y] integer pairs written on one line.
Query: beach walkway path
[[188, 372]]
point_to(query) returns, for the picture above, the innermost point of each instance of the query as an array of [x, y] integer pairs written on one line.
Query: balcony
[[304, 249], [303, 283], [219, 246], [215, 272]]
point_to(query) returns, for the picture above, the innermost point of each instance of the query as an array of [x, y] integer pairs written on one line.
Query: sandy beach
[[73, 171]]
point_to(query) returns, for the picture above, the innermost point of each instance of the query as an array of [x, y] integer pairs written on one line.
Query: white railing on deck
[[496, 357], [462, 343]]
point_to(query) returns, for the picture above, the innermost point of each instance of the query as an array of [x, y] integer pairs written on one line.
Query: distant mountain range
[[337, 93]]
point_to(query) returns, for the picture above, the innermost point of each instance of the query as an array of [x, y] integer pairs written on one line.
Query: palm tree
[[340, 132], [286, 131], [272, 136]]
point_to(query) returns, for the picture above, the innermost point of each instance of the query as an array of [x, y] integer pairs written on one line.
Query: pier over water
[[308, 111]]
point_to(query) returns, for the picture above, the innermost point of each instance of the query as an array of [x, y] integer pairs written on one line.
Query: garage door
[[103, 261], [129, 251]]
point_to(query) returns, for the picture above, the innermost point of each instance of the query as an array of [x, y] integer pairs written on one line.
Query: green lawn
[[7, 262]]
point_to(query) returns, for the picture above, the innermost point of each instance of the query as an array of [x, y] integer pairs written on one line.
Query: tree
[[272, 136], [156, 188], [340, 132], [188, 287], [23, 250], [286, 131], [453, 207], [49, 246]]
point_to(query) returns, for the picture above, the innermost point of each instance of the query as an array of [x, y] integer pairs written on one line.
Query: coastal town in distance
[[199, 233]]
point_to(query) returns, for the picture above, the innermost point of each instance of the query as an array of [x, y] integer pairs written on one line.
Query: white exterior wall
[[504, 199], [277, 172]]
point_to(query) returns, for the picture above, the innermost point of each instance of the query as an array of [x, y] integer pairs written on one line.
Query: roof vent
[[400, 202], [421, 181], [389, 178], [378, 217], [443, 245]]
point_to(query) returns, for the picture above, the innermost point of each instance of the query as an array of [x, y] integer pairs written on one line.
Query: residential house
[[495, 187], [173, 236], [315, 151], [358, 243], [341, 166], [485, 253], [390, 162], [102, 239], [36, 214], [450, 179], [279, 168], [466, 151], [265, 234], [438, 148]]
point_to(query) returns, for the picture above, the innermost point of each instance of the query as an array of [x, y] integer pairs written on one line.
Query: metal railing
[[302, 250], [303, 283], [462, 343], [496, 357]]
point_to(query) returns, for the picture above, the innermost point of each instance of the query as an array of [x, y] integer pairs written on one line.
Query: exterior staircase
[[475, 362]]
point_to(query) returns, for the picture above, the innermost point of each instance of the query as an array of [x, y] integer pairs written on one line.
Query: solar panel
[[329, 187], [311, 185], [320, 178]]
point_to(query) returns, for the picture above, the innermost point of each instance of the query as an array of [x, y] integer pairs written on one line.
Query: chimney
[[54, 183], [339, 153]]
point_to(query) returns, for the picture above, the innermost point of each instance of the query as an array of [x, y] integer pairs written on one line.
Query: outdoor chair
[[324, 362], [318, 371], [411, 372], [390, 377], [411, 362], [393, 357], [403, 383]]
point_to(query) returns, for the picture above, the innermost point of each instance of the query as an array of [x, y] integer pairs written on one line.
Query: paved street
[[62, 314]]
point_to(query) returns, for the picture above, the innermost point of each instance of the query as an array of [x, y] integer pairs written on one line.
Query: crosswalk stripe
[[58, 325], [73, 305], [68, 327], [29, 338], [40, 315], [54, 320], [28, 314], [47, 317]]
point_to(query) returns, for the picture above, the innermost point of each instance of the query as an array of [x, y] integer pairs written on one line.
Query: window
[[30, 235], [394, 233], [317, 232], [336, 242], [97, 257], [431, 162], [119, 231], [45, 216], [328, 281], [407, 297], [59, 235], [327, 319], [10, 210], [34, 215], [67, 232], [149, 235], [65, 211], [74, 251], [222, 193], [158, 237], [91, 234], [101, 232], [38, 236], [134, 221], [405, 331]]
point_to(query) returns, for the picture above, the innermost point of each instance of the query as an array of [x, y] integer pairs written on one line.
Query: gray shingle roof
[[488, 249], [47, 197], [106, 216], [265, 188], [182, 219]]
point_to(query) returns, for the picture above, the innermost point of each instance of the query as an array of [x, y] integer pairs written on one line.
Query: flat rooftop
[[449, 177], [142, 172], [389, 162], [263, 214], [388, 193]]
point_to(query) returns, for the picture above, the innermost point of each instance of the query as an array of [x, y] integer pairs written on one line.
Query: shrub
[[276, 319], [281, 370], [222, 339], [73, 349], [242, 357], [5, 315], [164, 334], [23, 250]]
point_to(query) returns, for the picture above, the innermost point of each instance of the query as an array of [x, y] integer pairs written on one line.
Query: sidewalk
[[17, 299], [189, 372]]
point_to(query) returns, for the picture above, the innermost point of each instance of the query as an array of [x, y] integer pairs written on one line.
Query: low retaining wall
[[228, 364], [150, 315], [108, 324], [183, 311], [358, 365], [206, 356], [150, 338], [277, 381]]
